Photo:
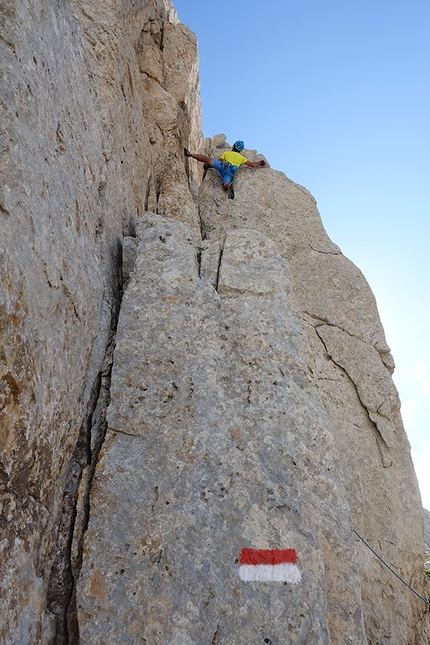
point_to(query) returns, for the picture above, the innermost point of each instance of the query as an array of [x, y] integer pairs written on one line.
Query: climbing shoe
[[230, 192], [187, 153]]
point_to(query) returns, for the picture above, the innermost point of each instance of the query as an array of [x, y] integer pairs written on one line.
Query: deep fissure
[[75, 511]]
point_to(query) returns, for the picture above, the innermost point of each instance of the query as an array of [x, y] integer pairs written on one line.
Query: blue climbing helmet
[[239, 146]]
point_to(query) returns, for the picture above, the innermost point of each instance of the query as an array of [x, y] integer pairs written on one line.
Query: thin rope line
[[379, 558], [388, 567]]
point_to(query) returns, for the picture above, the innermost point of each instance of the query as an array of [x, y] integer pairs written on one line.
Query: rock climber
[[228, 164]]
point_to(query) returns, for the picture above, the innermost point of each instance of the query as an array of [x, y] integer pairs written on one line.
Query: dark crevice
[[148, 192], [249, 392], [215, 639], [157, 192], [153, 78], [75, 510], [384, 352], [69, 297], [162, 37], [123, 432], [203, 228], [130, 79], [187, 167], [132, 227], [320, 322], [200, 250], [219, 267], [87, 15], [8, 44]]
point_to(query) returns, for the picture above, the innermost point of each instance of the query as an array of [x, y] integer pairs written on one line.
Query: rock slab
[[213, 425]]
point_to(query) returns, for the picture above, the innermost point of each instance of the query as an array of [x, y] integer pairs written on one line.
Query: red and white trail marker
[[269, 565]]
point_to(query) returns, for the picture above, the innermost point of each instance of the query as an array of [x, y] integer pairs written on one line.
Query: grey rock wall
[[78, 165], [216, 441], [57, 291], [252, 404], [427, 529], [352, 367]]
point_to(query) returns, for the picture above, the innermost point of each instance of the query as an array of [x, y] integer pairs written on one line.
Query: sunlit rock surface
[[251, 404], [213, 425]]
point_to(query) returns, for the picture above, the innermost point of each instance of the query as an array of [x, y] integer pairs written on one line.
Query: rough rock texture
[[211, 449], [352, 366], [427, 529], [251, 398], [213, 428], [79, 163]]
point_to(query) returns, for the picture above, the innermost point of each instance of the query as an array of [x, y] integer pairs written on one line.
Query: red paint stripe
[[268, 556]]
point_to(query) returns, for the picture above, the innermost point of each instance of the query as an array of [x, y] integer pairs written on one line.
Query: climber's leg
[[203, 158]]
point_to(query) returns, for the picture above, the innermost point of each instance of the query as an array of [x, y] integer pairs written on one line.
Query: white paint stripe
[[270, 573]]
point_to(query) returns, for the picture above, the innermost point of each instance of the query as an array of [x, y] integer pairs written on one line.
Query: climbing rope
[[379, 558], [392, 571]]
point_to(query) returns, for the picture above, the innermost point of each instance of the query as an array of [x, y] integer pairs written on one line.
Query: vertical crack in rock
[[215, 639], [147, 195], [73, 522], [200, 250], [157, 192], [221, 251], [202, 225]]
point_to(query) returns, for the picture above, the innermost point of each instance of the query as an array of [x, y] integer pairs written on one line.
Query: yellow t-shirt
[[235, 158]]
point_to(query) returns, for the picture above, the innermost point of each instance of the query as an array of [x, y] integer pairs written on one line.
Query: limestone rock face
[[351, 364], [427, 529], [79, 163], [250, 403], [213, 428]]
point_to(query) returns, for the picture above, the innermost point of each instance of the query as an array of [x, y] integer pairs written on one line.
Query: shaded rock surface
[[79, 163], [427, 529]]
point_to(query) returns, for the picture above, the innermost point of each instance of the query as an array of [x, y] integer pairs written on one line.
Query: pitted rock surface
[[79, 164], [213, 424], [251, 402], [352, 366]]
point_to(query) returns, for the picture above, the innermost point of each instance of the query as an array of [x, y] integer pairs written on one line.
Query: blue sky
[[336, 94]]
